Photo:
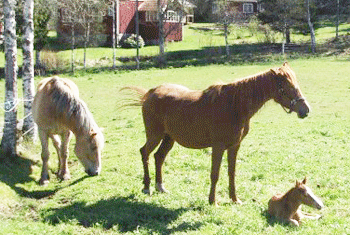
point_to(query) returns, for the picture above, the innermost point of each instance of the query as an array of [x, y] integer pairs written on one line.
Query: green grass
[[279, 149]]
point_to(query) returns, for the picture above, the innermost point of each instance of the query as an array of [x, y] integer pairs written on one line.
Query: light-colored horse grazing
[[58, 111], [286, 207], [217, 117]]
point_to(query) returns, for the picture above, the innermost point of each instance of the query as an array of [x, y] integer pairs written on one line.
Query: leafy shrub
[[131, 42], [52, 61]]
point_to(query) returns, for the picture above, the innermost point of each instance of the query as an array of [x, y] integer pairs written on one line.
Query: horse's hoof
[[161, 189], [146, 191], [43, 182], [64, 177], [237, 201]]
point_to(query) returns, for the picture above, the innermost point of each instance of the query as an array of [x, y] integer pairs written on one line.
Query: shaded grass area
[[127, 215]]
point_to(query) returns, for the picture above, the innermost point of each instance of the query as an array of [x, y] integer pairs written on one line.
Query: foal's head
[[288, 92], [304, 194]]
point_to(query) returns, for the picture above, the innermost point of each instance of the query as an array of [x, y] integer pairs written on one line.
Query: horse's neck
[[83, 123], [254, 92], [291, 200]]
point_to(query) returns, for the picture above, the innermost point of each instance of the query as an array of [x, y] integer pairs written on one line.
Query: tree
[[28, 68], [8, 142], [312, 31], [164, 10], [42, 16], [85, 14], [203, 10], [225, 15], [283, 15]]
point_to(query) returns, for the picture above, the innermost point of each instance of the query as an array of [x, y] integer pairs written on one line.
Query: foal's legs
[[231, 159], [216, 158], [151, 144], [45, 154], [63, 171], [159, 156]]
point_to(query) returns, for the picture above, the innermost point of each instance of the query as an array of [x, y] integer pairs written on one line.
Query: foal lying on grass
[[286, 208]]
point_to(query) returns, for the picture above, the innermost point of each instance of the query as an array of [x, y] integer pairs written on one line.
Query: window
[[151, 16], [172, 16], [248, 8]]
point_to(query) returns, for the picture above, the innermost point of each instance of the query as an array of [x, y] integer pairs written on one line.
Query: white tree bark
[[28, 69], [161, 33], [8, 142], [312, 30]]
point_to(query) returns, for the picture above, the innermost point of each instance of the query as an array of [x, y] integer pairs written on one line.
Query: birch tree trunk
[[114, 33], [8, 142], [72, 47], [161, 34], [28, 69], [337, 21], [312, 30]]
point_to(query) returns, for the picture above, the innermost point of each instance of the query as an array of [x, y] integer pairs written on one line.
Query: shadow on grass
[[271, 220], [124, 214], [17, 170]]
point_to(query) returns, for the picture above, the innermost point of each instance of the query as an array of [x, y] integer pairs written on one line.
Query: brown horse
[[58, 111], [286, 207], [217, 117]]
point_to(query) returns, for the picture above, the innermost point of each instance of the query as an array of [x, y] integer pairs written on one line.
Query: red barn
[[176, 15]]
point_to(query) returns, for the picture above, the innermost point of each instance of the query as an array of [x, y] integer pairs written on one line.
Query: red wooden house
[[243, 9], [148, 19]]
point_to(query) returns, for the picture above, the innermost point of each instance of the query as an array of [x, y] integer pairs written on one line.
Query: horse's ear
[[297, 183], [275, 71], [304, 181]]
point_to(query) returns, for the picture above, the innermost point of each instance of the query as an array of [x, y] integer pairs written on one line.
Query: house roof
[[151, 5]]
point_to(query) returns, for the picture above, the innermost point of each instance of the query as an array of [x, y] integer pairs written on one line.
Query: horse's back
[[51, 98], [178, 112]]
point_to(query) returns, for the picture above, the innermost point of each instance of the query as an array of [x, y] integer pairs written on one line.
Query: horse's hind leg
[[145, 151], [159, 156], [63, 171], [45, 154]]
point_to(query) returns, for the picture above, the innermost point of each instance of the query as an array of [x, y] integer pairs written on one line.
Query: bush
[[52, 61], [131, 42]]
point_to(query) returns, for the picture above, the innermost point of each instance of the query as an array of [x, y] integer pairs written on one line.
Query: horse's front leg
[[231, 159], [63, 171], [45, 155], [216, 158]]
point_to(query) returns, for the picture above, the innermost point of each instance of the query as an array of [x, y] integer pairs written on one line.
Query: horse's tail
[[135, 101]]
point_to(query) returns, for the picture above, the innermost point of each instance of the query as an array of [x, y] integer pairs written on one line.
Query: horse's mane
[[69, 106], [257, 84]]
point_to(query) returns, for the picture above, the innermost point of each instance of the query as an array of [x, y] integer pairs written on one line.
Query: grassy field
[[279, 149]]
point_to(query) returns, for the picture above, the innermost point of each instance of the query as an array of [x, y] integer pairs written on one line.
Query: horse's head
[[288, 92], [306, 196], [88, 149]]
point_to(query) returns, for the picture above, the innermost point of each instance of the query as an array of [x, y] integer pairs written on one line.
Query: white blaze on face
[[316, 202]]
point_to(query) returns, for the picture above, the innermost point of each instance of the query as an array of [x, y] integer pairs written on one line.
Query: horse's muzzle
[[302, 114], [91, 172], [303, 110]]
